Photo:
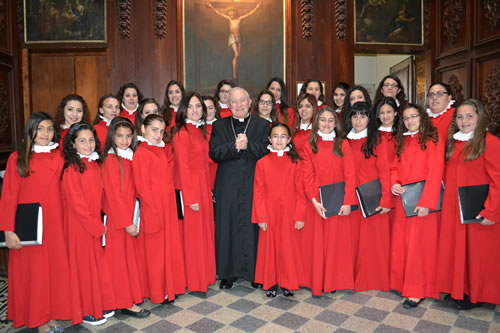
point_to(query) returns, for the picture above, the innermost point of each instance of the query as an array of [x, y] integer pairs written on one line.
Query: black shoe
[[256, 285], [409, 304], [466, 304], [139, 314], [287, 293], [166, 301], [226, 284], [271, 293]]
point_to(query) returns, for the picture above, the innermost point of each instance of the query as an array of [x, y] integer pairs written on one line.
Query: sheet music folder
[[28, 224], [332, 198], [411, 197], [471, 201], [369, 196]]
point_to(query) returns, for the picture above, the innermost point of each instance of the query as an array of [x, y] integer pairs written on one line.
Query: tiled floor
[[245, 309]]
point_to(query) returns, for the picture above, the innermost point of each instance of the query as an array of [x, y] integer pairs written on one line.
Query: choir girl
[[467, 264], [222, 97], [339, 94], [440, 107], [147, 107], [264, 106], [173, 95], [278, 175], [109, 108], [119, 203], [414, 239], [39, 290], [307, 108], [314, 87], [130, 97], [354, 94], [286, 114], [160, 246], [391, 86], [371, 236], [72, 109], [82, 193], [212, 116], [193, 179], [387, 115], [327, 160]]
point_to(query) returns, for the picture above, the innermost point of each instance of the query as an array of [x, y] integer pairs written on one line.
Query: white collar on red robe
[[320, 103], [92, 157], [410, 133], [385, 129], [461, 136], [123, 153], [44, 149], [280, 152], [435, 115], [327, 137], [223, 106], [174, 107], [130, 112], [210, 122], [64, 126], [195, 123], [143, 139], [338, 110], [352, 135], [107, 121], [305, 127], [278, 101]]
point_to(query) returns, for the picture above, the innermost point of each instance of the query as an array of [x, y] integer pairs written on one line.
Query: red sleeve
[[434, 155], [182, 147], [10, 193], [349, 171], [300, 198], [383, 170], [120, 211], [311, 184], [259, 203], [491, 157], [291, 117], [72, 189], [394, 173]]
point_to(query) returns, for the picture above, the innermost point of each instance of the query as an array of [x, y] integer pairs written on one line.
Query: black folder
[[369, 196], [412, 194], [136, 219], [28, 224], [471, 202], [180, 204], [332, 198]]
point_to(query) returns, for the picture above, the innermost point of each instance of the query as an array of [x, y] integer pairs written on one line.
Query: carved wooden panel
[[306, 14], [457, 75], [488, 88], [160, 18], [453, 26], [91, 80], [341, 19], [487, 19], [5, 42], [7, 132], [124, 18]]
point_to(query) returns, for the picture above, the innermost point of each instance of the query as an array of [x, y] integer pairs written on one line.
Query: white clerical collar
[[461, 136], [338, 110], [64, 126], [210, 122], [143, 139], [107, 121], [279, 152], [123, 153], [223, 106], [385, 129], [435, 115], [92, 157], [397, 102], [356, 136], [174, 107], [320, 103], [242, 119], [130, 112], [44, 149], [278, 101], [305, 127], [195, 123], [410, 133], [327, 137]]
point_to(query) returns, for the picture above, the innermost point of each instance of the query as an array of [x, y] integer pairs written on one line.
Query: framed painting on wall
[[243, 41], [389, 22], [64, 21]]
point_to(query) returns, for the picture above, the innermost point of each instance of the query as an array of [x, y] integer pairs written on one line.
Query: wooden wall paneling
[[453, 27], [91, 80], [6, 21], [486, 21], [7, 110], [289, 46], [458, 76], [487, 76]]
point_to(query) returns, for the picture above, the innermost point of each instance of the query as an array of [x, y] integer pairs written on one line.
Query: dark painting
[[64, 21], [389, 22], [241, 41]]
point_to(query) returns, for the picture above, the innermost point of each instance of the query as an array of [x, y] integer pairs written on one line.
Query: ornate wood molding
[[427, 21], [306, 13], [492, 12], [340, 18], [491, 99], [124, 14], [4, 111], [160, 12], [453, 14], [20, 19], [456, 88], [3, 18]]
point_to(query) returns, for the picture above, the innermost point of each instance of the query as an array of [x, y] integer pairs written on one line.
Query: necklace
[[246, 127]]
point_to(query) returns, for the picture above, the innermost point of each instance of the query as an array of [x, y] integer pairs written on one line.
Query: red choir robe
[[173, 111], [321, 106], [278, 200], [121, 250], [224, 111], [193, 179], [212, 165], [301, 139], [442, 123], [130, 115], [387, 141], [331, 263], [63, 134], [371, 236], [161, 256], [39, 288], [101, 129], [291, 115], [91, 285], [414, 239], [466, 254]]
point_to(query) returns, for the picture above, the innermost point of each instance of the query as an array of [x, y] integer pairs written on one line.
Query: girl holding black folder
[[39, 289], [119, 203], [328, 160], [467, 266], [371, 236], [414, 239]]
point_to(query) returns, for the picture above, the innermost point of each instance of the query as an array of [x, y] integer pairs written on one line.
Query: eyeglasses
[[412, 117], [438, 94], [391, 85], [224, 91], [278, 137], [268, 103]]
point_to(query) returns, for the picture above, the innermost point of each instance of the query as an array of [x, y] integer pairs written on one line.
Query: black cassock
[[235, 235]]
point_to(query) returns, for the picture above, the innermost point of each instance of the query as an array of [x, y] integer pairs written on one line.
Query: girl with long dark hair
[[286, 115]]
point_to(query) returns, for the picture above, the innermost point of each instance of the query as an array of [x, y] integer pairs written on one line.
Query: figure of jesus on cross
[[234, 40]]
